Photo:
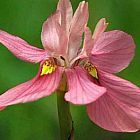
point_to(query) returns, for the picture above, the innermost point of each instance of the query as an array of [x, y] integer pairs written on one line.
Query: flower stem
[[65, 119]]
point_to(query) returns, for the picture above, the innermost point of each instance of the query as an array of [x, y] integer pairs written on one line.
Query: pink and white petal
[[53, 37], [100, 28], [22, 49], [87, 46], [119, 109], [65, 8], [113, 51], [80, 89], [79, 21], [38, 87], [88, 42]]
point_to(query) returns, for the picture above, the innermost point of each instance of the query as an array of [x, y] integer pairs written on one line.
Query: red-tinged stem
[[65, 119]]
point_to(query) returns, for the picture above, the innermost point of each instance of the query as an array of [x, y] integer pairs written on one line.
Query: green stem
[[65, 119]]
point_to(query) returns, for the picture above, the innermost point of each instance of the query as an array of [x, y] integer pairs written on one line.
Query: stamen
[[62, 58], [91, 69], [48, 67]]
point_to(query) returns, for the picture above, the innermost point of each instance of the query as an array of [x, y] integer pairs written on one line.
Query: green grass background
[[38, 120]]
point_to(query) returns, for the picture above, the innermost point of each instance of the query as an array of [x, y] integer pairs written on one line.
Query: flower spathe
[[88, 70]]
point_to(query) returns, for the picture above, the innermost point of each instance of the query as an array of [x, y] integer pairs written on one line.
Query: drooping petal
[[119, 109], [80, 89], [22, 49], [38, 87], [77, 28], [53, 37], [113, 51], [65, 8], [100, 28]]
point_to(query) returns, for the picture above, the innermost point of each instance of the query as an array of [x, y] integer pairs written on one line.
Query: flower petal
[[119, 109], [53, 37], [77, 28], [81, 89], [113, 51], [90, 39], [88, 42], [65, 8], [87, 46], [22, 49], [100, 28], [38, 87]]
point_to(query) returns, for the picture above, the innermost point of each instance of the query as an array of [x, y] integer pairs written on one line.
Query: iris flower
[[112, 103]]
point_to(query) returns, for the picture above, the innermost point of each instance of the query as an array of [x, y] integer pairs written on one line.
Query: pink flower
[[112, 102], [110, 52]]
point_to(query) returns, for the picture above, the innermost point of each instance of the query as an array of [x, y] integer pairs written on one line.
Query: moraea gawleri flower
[[112, 103]]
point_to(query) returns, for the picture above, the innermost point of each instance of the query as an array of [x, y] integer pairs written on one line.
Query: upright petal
[[38, 87], [80, 89], [113, 51], [88, 42], [53, 37], [100, 28], [77, 28], [65, 8], [90, 39], [87, 46], [119, 109], [22, 49]]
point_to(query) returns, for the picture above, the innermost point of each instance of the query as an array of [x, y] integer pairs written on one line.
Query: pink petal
[[80, 89], [119, 109], [100, 28], [113, 51], [22, 49], [77, 28], [88, 42], [53, 37], [38, 87], [65, 8], [87, 46]]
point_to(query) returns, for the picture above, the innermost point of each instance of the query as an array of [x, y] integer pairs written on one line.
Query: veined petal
[[90, 39], [113, 51], [65, 8], [77, 28], [80, 89], [119, 109], [88, 42], [100, 28], [22, 49], [53, 37], [38, 87], [87, 46]]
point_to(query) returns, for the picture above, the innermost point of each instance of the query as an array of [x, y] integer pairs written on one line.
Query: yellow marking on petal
[[48, 68], [44, 70], [94, 73], [91, 69]]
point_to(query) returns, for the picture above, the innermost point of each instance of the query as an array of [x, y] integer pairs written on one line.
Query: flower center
[[91, 69], [48, 67]]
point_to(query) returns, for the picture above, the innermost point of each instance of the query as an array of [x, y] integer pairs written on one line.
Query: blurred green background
[[38, 120]]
